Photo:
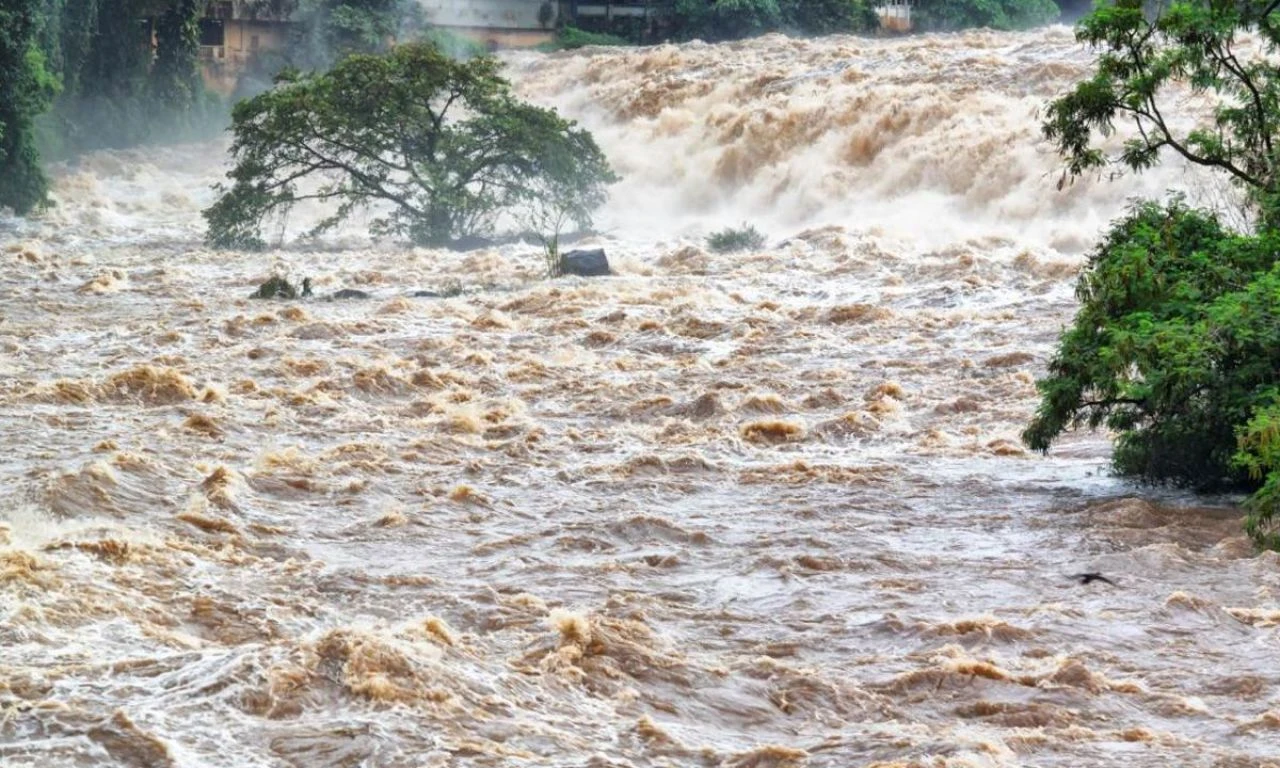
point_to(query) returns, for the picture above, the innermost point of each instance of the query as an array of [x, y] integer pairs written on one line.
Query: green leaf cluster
[[1176, 349], [437, 149], [326, 31], [716, 20], [572, 38], [991, 14], [26, 89], [1143, 59]]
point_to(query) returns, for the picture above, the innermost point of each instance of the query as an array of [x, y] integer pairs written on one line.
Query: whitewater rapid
[[761, 509]]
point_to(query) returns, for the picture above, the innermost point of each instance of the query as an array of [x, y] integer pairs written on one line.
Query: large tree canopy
[[1176, 346], [437, 148]]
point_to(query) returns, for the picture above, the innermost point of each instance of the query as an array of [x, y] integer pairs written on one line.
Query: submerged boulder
[[349, 293], [585, 263]]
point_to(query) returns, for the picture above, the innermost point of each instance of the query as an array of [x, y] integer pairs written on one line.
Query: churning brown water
[[758, 510]]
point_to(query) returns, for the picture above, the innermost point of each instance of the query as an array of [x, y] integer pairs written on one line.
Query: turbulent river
[[759, 510]]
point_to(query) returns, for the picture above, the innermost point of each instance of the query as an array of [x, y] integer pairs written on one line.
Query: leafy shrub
[[744, 238], [1176, 348], [994, 14], [572, 38]]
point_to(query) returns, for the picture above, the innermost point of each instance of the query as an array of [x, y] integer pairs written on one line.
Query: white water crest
[[758, 509]]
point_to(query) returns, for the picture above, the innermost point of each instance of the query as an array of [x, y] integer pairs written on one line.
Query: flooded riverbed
[[763, 509]]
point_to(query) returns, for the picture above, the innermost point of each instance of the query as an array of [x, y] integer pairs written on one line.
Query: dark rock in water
[[427, 295], [586, 263], [349, 293]]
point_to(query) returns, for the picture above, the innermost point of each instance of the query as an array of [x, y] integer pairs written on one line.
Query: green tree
[[443, 146], [1143, 58], [25, 91], [824, 17], [1176, 346], [993, 14], [1176, 349], [715, 20]]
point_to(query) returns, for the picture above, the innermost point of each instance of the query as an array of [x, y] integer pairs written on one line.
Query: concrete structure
[[497, 23], [644, 20], [895, 15], [232, 34]]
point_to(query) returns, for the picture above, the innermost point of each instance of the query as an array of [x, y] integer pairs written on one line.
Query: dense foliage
[[127, 71], [1176, 349], [726, 19], [571, 38], [821, 17], [1176, 346], [992, 14], [25, 89], [175, 76], [735, 19], [117, 90], [325, 31], [440, 145]]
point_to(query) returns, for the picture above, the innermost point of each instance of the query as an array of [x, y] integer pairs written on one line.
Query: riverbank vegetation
[[81, 75], [721, 20], [1176, 346]]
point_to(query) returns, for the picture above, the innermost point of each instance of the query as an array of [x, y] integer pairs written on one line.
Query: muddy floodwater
[[755, 510]]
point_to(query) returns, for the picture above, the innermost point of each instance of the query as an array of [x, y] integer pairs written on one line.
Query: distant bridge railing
[[618, 8]]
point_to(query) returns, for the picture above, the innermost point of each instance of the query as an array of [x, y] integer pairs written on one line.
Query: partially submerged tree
[[1176, 346], [1176, 349], [438, 149]]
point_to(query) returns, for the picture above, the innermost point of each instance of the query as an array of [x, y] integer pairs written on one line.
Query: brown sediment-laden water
[[764, 509]]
